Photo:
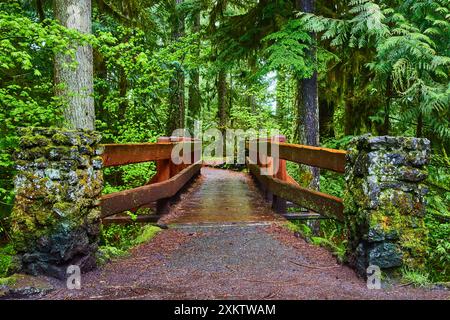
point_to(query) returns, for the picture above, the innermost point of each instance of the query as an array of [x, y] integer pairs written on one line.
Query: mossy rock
[[22, 285], [32, 141], [66, 138]]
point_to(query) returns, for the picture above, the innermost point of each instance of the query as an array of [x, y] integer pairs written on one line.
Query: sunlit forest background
[[381, 67]]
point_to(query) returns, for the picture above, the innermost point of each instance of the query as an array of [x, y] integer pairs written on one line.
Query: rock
[[53, 174], [385, 255], [22, 285], [384, 201], [412, 174], [97, 163], [54, 220]]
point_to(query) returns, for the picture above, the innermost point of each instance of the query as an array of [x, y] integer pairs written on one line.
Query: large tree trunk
[[177, 101], [308, 106], [194, 104], [75, 85]]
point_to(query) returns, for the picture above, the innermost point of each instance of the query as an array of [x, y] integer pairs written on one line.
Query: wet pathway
[[222, 196], [224, 242]]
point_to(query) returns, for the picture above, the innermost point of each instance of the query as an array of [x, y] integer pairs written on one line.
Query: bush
[[116, 239], [6, 260]]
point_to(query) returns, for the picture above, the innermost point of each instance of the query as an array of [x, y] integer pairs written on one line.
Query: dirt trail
[[225, 243]]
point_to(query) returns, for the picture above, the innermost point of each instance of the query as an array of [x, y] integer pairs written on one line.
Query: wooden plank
[[122, 154], [134, 198], [325, 158], [317, 201]]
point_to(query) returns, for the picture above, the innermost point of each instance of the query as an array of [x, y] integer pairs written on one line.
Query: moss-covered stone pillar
[[384, 202], [56, 218]]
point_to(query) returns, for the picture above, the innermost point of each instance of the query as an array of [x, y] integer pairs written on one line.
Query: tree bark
[[419, 127], [387, 107], [176, 85], [40, 10], [76, 85], [194, 103], [252, 98], [222, 98], [308, 105]]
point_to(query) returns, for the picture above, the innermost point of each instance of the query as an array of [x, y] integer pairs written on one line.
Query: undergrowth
[[116, 239]]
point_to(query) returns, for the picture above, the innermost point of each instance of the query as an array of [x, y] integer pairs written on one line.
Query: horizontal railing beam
[[123, 154], [324, 158], [134, 198], [322, 203]]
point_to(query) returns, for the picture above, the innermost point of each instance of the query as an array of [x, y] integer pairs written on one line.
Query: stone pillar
[[55, 220], [384, 202]]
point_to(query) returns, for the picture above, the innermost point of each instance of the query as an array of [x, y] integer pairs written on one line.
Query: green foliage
[[117, 239], [411, 59], [108, 253], [147, 233], [6, 260], [416, 278], [288, 50], [120, 236], [438, 218], [301, 228], [26, 89], [332, 236], [128, 176]]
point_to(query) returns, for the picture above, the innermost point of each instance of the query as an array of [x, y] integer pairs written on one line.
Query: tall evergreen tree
[[75, 84]]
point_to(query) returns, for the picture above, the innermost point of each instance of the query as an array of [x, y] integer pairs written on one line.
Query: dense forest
[[319, 71]]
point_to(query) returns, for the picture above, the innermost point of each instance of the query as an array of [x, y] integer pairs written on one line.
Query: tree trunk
[[308, 106], [419, 127], [40, 10], [222, 98], [251, 97], [194, 104], [75, 85], [176, 85]]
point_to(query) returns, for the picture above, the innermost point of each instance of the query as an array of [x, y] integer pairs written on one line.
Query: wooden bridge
[[198, 257], [278, 186]]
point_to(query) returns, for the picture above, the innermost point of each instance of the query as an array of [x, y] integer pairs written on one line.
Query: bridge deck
[[222, 196]]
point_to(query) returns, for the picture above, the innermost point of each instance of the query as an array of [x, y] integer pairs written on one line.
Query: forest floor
[[224, 242]]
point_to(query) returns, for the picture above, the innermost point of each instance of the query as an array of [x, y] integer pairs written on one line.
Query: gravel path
[[243, 257]]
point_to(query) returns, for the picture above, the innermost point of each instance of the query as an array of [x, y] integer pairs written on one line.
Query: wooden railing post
[[163, 166], [279, 167], [164, 172]]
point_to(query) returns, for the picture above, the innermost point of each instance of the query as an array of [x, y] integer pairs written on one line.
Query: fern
[[412, 52]]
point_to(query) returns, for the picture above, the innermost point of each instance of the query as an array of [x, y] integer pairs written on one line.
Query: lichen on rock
[[55, 216], [384, 201]]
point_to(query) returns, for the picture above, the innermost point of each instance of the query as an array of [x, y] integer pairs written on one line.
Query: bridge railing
[[173, 172], [281, 187]]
